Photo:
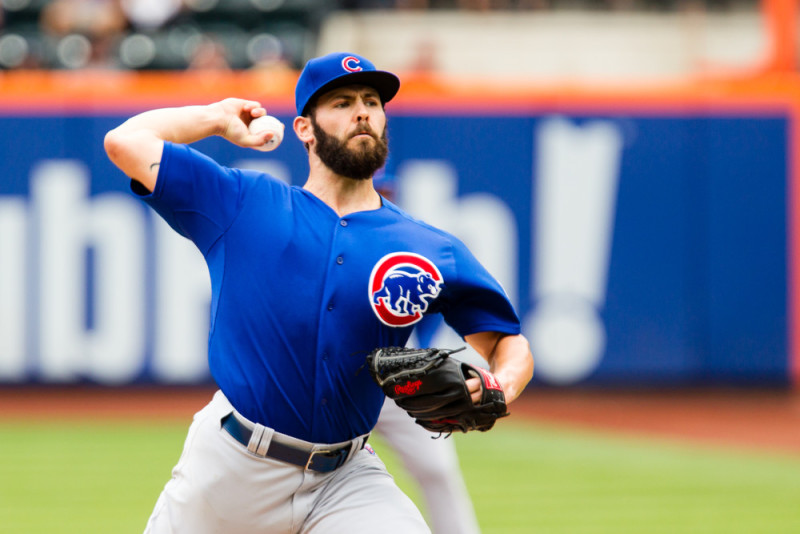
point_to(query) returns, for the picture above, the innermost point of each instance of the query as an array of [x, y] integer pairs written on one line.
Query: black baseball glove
[[431, 387]]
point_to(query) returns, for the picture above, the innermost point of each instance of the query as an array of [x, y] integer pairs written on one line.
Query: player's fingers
[[259, 139], [239, 106], [257, 111], [249, 110], [474, 387], [250, 105]]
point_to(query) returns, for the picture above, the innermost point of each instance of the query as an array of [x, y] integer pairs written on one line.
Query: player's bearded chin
[[358, 163]]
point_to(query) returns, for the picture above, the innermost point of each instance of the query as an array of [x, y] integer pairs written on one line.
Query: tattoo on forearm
[[154, 165]]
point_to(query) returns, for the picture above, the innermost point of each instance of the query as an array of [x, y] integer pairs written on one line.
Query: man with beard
[[305, 282]]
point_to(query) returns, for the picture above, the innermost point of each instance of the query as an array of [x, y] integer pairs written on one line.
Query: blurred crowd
[[157, 34], [210, 34]]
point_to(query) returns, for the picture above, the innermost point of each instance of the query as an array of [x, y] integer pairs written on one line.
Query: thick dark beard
[[359, 163]]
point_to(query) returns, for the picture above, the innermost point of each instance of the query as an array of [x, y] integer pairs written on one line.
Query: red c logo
[[351, 64]]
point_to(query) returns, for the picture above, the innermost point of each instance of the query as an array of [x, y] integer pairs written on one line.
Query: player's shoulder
[[419, 224], [183, 157], [262, 178], [404, 217], [257, 180]]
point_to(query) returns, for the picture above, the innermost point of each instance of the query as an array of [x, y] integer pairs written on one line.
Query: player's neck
[[343, 195]]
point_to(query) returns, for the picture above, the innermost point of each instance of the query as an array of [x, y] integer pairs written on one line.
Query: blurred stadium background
[[626, 168]]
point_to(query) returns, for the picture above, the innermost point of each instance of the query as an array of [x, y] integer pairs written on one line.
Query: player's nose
[[361, 110]]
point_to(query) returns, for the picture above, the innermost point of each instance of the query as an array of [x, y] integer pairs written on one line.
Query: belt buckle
[[311, 456]]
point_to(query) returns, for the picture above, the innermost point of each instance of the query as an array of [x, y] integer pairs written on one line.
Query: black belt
[[320, 460]]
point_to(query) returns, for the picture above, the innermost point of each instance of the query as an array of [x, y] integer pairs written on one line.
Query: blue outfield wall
[[640, 250]]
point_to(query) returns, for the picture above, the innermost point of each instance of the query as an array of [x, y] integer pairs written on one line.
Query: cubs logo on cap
[[402, 286], [351, 64], [325, 73]]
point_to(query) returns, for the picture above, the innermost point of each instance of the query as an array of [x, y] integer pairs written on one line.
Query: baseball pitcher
[[306, 283]]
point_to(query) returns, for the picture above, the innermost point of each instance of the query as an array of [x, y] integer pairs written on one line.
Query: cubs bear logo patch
[[402, 286]]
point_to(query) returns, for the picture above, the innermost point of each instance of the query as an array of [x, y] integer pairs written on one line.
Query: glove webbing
[[395, 362]]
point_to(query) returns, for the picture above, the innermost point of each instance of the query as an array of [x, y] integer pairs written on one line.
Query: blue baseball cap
[[325, 73]]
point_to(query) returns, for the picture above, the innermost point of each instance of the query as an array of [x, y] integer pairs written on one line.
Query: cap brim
[[386, 83]]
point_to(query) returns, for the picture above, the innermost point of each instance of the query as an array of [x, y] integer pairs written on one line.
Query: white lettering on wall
[[115, 344], [58, 193], [70, 224], [183, 294], [74, 296], [428, 190], [13, 283], [574, 205]]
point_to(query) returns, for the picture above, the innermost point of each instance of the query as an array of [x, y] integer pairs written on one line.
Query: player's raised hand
[[239, 114]]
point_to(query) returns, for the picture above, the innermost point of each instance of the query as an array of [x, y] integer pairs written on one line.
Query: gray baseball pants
[[219, 486]]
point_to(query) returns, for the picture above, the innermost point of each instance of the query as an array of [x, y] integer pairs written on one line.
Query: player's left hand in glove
[[431, 387]]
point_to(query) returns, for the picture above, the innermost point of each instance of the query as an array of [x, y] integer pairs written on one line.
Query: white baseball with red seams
[[270, 123]]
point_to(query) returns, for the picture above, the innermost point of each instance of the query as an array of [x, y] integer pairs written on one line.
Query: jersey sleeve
[[473, 301], [195, 195]]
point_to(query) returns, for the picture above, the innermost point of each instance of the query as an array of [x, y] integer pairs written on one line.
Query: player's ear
[[303, 129]]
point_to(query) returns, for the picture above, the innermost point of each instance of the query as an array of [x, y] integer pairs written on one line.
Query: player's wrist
[[215, 119], [511, 389]]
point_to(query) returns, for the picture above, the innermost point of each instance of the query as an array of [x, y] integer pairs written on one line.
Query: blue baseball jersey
[[301, 295]]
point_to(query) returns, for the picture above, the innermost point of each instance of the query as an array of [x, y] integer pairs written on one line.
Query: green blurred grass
[[94, 476]]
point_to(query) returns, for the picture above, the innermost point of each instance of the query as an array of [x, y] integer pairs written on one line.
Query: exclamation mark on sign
[[573, 222]]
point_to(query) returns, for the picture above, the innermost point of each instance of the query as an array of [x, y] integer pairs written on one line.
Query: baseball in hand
[[268, 123]]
